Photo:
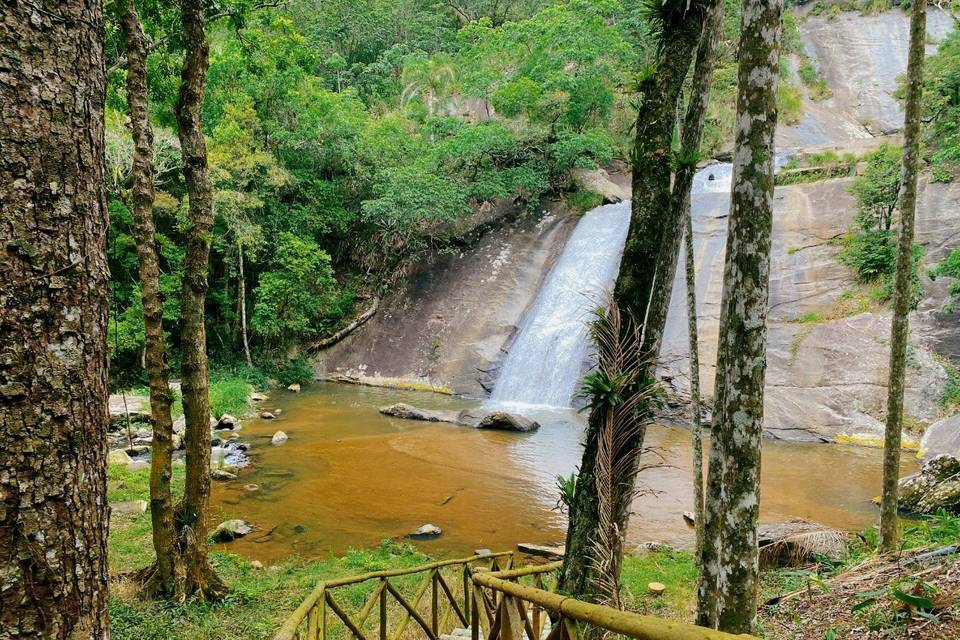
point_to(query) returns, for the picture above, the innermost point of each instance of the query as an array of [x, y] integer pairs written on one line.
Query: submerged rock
[[426, 532], [295, 388], [222, 475], [503, 421], [230, 530], [266, 415], [936, 486], [227, 421], [278, 438]]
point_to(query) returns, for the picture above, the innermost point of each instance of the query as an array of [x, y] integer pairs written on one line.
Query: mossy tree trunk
[[166, 576], [899, 333], [192, 515], [691, 138], [650, 256], [53, 322], [727, 593]]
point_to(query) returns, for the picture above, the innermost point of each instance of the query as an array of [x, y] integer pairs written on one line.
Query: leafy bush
[[293, 297], [949, 267], [581, 150], [295, 371], [877, 189]]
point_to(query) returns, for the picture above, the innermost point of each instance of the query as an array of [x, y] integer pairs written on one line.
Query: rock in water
[[295, 388], [426, 532], [230, 530], [222, 475], [278, 438], [227, 421], [503, 421], [936, 486], [266, 415], [258, 397], [409, 412]]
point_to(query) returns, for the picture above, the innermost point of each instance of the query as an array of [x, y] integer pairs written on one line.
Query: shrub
[[949, 268], [295, 371], [877, 189]]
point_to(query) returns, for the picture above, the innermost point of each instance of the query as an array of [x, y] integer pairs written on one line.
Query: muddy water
[[349, 477]]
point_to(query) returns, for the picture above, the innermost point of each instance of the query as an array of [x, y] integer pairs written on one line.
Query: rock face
[[230, 530], [936, 486], [478, 419], [598, 181], [942, 437], [504, 421], [447, 329]]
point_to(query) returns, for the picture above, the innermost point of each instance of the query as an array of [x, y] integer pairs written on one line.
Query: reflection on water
[[349, 477]]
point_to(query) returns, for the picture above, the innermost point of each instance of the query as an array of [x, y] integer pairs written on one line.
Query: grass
[[581, 201], [676, 570]]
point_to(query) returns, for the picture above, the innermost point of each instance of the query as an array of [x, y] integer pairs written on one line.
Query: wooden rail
[[449, 602], [492, 603], [513, 611]]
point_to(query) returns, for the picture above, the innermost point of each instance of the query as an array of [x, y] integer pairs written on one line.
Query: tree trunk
[[192, 516], [53, 322], [899, 334], [690, 141], [243, 307], [166, 576], [650, 242], [729, 568]]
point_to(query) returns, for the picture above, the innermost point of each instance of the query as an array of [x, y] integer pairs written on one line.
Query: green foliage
[[296, 371], [816, 85], [877, 189], [229, 394], [581, 201], [293, 297], [949, 267], [873, 256]]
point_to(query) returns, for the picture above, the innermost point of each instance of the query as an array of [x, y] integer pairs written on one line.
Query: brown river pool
[[350, 477]]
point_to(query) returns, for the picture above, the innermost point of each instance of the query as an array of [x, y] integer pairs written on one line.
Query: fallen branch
[[347, 330]]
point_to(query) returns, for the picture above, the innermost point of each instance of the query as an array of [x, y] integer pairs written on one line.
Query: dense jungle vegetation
[[347, 139]]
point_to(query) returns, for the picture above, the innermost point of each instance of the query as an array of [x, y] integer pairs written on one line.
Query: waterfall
[[547, 357]]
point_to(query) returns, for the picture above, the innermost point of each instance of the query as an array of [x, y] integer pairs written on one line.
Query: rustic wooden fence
[[483, 594], [393, 592]]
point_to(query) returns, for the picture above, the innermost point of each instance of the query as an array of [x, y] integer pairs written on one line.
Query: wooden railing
[[514, 611], [448, 606], [484, 594]]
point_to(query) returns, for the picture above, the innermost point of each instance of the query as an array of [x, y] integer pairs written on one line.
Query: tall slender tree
[[167, 574], [648, 264], [899, 332], [686, 161], [53, 322], [192, 516], [727, 594]]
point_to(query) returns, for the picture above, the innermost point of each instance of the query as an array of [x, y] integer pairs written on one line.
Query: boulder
[[227, 421], [295, 388], [258, 397], [554, 552], [936, 486], [230, 530], [278, 438], [180, 424], [138, 450], [942, 437], [129, 507], [277, 412], [426, 532], [409, 412], [118, 456], [598, 181], [266, 415], [222, 474], [176, 441], [503, 421]]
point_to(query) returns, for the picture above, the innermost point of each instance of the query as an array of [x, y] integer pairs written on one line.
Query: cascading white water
[[546, 359]]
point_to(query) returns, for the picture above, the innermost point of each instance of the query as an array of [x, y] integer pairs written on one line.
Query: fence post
[[383, 609], [474, 614], [466, 593], [434, 603]]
